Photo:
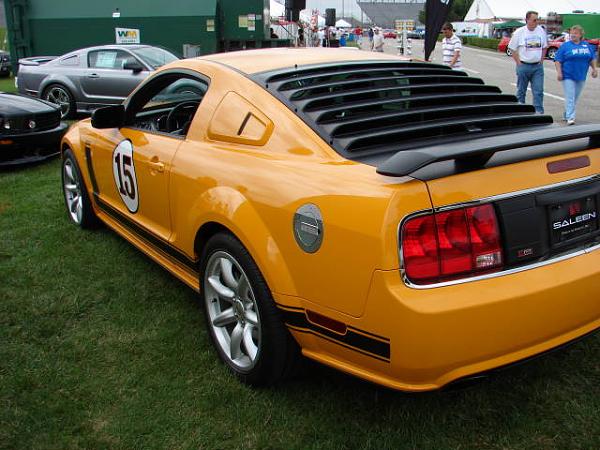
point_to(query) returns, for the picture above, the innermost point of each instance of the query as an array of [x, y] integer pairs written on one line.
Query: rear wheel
[[77, 201], [508, 51], [62, 97], [243, 321], [551, 53]]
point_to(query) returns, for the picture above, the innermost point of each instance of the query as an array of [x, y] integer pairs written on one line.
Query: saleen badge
[[574, 220]]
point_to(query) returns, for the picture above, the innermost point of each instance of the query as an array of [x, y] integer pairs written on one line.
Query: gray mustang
[[86, 79]]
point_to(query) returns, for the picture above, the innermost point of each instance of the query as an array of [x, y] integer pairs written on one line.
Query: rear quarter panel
[[256, 190]]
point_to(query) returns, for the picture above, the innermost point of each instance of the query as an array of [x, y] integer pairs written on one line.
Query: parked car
[[503, 46], [554, 45], [389, 34], [399, 221], [4, 64], [30, 130], [417, 33], [86, 79]]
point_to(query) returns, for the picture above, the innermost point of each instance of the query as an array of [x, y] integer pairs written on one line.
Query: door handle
[[158, 166], [93, 75]]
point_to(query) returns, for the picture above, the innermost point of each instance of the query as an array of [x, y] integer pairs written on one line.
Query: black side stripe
[[358, 340], [90, 168], [149, 237]]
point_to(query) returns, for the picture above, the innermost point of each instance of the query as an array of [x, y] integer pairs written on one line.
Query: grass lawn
[[7, 85], [100, 348]]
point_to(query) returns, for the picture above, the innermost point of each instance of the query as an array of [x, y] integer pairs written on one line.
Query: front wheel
[[77, 201], [508, 51], [551, 53], [243, 321]]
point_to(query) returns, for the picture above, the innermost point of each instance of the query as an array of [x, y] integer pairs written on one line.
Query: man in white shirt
[[451, 47], [321, 37], [378, 40], [529, 45]]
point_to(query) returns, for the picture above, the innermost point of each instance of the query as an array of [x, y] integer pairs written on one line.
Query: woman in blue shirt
[[573, 60]]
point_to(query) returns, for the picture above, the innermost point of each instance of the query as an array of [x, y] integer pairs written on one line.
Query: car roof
[[102, 47], [254, 61]]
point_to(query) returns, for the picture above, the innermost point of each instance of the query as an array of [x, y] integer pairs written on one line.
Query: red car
[[503, 46], [389, 34], [553, 45]]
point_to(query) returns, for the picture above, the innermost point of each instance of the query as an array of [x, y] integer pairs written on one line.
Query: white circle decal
[[124, 173]]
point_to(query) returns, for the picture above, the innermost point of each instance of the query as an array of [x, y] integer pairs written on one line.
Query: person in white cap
[[378, 40]]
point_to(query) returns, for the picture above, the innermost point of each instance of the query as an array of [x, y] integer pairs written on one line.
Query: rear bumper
[[441, 335], [31, 147]]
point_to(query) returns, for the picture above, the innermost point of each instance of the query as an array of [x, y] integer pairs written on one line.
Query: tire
[[508, 52], [61, 96], [77, 201], [551, 53], [243, 322]]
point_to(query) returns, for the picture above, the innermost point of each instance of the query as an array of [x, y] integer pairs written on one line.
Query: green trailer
[[188, 28], [589, 22]]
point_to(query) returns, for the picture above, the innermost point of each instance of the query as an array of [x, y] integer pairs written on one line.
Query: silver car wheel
[[232, 311], [59, 96], [72, 189]]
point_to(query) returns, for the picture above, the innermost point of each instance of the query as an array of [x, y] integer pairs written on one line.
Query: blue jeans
[[534, 74], [572, 90]]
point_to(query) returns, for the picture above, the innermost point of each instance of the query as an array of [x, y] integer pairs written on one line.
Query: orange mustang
[[397, 220]]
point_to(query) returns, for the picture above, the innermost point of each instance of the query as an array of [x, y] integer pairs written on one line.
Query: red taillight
[[447, 245], [420, 248]]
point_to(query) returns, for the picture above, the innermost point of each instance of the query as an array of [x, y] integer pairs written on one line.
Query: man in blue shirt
[[573, 60]]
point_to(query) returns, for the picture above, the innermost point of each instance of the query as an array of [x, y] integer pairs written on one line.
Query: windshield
[[154, 56]]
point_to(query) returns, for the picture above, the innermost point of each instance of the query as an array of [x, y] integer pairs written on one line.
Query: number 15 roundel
[[124, 173]]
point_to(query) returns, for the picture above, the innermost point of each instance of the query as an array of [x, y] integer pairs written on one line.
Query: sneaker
[[571, 122]]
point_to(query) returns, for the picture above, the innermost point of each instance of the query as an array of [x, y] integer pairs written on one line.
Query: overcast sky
[[350, 6]]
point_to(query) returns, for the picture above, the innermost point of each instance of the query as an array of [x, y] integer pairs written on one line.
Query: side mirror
[[132, 64], [109, 117]]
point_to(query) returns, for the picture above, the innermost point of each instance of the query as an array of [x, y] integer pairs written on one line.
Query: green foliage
[[481, 42], [3, 45], [458, 11], [102, 349]]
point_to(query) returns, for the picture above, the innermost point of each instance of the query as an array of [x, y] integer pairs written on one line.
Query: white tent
[[278, 10], [342, 24], [516, 9]]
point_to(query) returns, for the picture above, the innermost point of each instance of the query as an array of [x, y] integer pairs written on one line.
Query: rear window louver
[[362, 109]]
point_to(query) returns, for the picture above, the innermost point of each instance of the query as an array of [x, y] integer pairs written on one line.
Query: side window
[[167, 104], [108, 59], [70, 61]]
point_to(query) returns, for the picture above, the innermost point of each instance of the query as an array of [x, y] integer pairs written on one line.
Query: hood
[[14, 105]]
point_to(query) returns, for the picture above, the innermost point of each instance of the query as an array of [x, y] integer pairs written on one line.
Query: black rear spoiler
[[477, 152]]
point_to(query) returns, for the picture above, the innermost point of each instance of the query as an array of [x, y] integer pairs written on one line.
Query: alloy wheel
[[59, 96], [72, 189], [232, 311]]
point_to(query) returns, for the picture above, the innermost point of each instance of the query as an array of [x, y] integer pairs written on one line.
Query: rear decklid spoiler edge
[[477, 152], [36, 60]]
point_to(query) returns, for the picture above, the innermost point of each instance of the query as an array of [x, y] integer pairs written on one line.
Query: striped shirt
[[449, 47]]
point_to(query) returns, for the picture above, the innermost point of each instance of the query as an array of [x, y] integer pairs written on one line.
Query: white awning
[[516, 9]]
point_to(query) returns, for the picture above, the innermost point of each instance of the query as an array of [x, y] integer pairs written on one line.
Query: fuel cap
[[308, 227]]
